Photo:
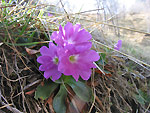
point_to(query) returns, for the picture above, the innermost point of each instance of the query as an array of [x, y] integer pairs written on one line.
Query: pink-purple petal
[[83, 36], [48, 63], [46, 67], [44, 51], [83, 46], [47, 74], [56, 76], [89, 55], [54, 73], [77, 27], [82, 66], [54, 35], [68, 30], [85, 75], [61, 31], [118, 45], [70, 35], [44, 59], [76, 76]]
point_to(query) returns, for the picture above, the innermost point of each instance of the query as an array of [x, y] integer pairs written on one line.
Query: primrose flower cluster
[[72, 54]]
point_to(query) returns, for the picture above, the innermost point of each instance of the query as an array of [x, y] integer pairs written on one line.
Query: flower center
[[73, 58], [55, 60], [70, 41]]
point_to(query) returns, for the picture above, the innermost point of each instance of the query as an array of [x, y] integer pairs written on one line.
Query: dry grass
[[127, 90]]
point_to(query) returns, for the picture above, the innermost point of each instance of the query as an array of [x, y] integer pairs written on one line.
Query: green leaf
[[10, 1], [41, 13], [102, 58], [83, 91], [25, 44], [43, 92], [142, 97], [107, 72], [59, 81], [25, 25], [27, 20], [59, 100]]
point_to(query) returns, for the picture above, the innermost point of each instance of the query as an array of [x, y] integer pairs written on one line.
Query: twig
[[123, 99], [7, 6], [32, 84], [23, 96], [100, 104], [88, 11], [15, 48], [44, 108], [47, 28], [92, 80], [7, 105], [1, 43], [134, 30], [99, 68], [141, 63], [111, 25], [147, 108], [65, 10], [6, 62], [11, 79]]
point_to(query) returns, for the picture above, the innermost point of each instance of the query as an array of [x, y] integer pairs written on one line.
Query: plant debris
[[120, 85]]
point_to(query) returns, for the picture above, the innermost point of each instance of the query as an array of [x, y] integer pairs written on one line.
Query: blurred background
[[107, 20], [116, 6], [128, 20]]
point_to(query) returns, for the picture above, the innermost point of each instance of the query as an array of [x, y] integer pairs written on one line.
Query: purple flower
[[71, 35], [71, 56], [118, 45], [49, 14], [49, 61], [77, 61]]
